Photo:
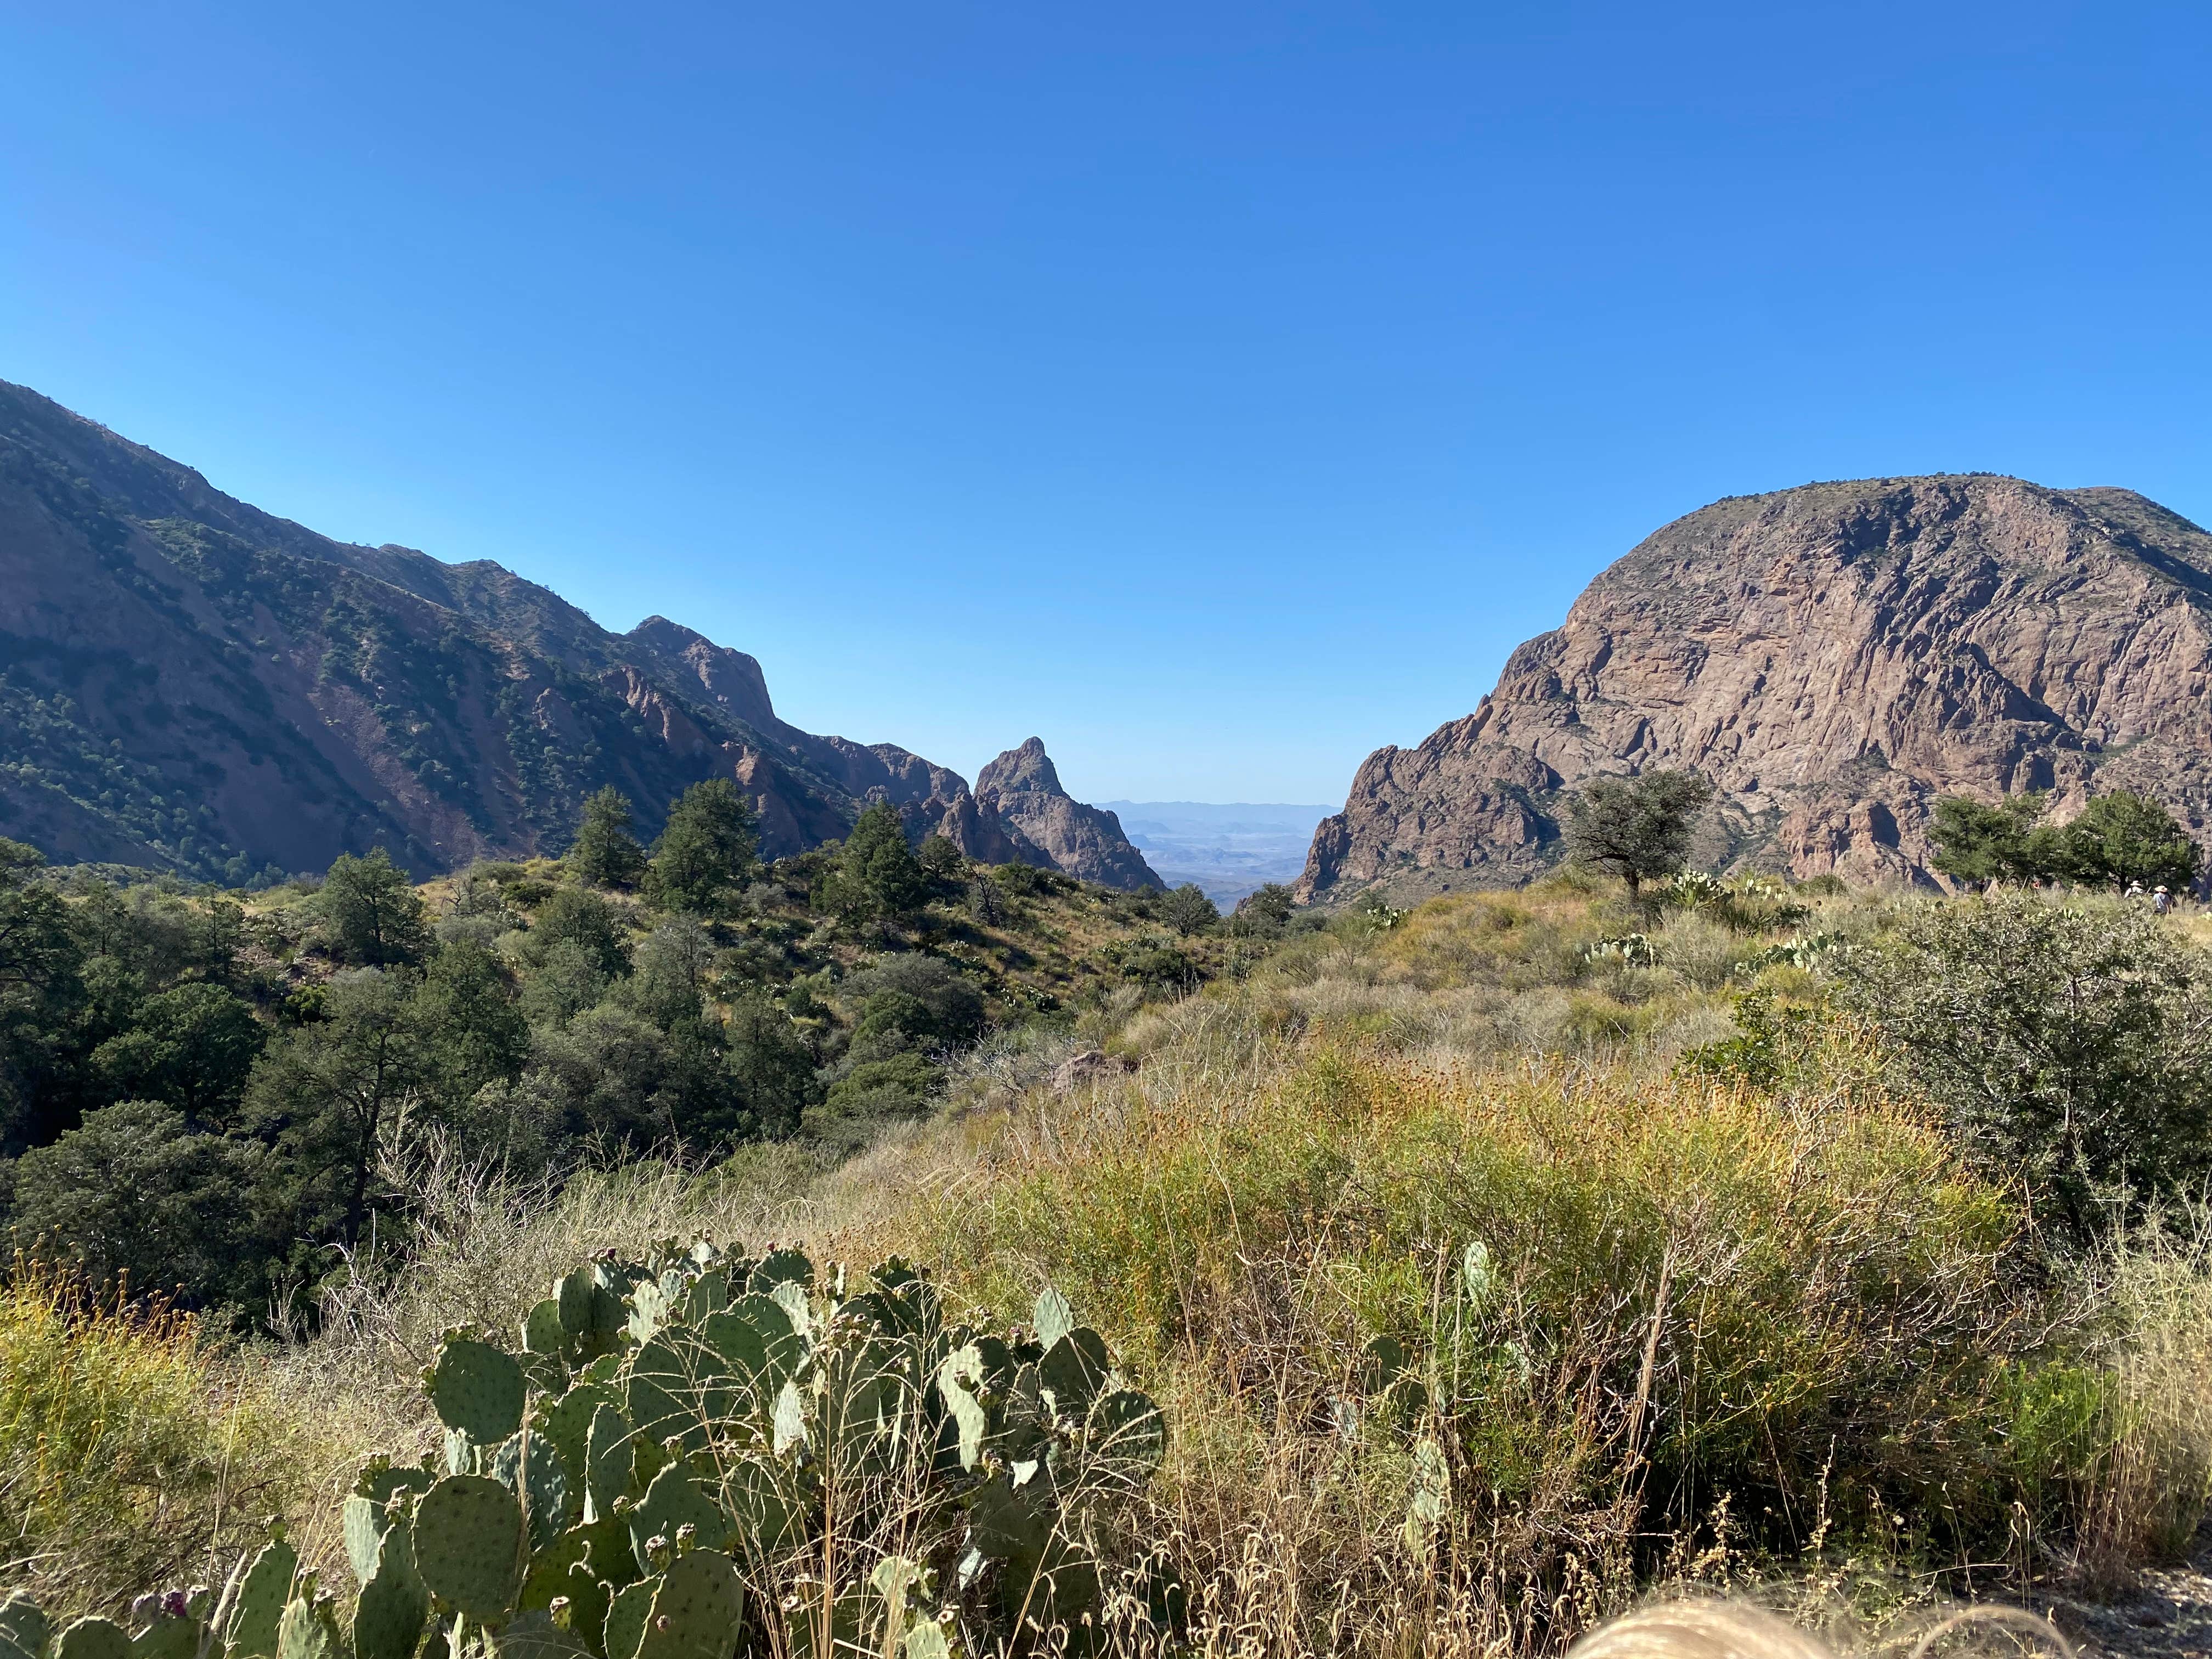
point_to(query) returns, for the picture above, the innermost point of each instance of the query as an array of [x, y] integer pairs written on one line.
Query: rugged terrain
[[1834, 658], [188, 683], [1022, 786]]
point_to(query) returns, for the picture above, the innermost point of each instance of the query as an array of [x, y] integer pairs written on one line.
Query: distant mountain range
[[190, 683], [1834, 658], [1229, 850]]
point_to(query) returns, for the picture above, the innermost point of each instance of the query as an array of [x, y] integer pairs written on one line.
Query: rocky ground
[[2169, 1615]]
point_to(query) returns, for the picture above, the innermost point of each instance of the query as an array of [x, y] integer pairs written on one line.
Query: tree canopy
[[2117, 839], [606, 854], [1637, 828], [707, 853]]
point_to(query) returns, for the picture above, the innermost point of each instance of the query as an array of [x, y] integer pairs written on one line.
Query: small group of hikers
[[2161, 896], [2160, 900]]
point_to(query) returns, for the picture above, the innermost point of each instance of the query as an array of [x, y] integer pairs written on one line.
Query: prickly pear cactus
[[23, 1629], [697, 1612], [310, 1630], [394, 1606], [93, 1637], [470, 1547], [660, 1470], [258, 1609], [477, 1391]]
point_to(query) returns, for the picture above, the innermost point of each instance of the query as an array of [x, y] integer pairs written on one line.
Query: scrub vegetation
[[1489, 1264]]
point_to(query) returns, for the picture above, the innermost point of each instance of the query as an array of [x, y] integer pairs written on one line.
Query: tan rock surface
[[1022, 786], [1834, 658]]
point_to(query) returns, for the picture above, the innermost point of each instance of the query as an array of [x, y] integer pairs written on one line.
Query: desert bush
[[132, 1451], [2071, 1045]]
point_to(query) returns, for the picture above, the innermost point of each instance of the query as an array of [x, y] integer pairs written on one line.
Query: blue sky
[[1219, 392]]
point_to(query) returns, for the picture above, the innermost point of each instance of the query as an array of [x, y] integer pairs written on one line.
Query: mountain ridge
[[190, 682], [1834, 657]]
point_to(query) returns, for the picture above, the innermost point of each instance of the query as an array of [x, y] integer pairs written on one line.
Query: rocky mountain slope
[[1834, 658], [1022, 786], [188, 683]]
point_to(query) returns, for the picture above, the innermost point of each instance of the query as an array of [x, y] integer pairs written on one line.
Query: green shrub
[[2070, 1045], [131, 1454]]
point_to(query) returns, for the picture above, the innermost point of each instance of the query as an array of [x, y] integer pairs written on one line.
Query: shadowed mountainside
[[188, 683]]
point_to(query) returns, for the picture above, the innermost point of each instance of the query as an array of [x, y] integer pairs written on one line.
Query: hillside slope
[[188, 683], [1834, 658]]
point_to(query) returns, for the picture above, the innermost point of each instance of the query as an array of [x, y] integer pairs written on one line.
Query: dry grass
[[133, 1452], [1701, 1299], [1730, 1336]]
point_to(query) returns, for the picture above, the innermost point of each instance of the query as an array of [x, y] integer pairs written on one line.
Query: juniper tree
[[1637, 828]]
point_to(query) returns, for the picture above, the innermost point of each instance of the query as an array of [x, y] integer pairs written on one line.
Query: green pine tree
[[708, 853], [607, 854]]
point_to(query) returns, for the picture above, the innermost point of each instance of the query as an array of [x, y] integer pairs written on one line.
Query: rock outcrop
[[1023, 787], [190, 684], [1834, 658]]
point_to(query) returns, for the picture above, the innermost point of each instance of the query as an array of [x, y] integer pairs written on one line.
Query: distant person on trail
[[2134, 890], [2161, 900]]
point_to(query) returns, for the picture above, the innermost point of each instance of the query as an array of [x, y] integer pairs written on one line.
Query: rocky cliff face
[[1023, 787], [188, 683], [1834, 658]]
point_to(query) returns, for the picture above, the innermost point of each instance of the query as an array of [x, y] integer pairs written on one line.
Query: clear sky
[[1219, 392]]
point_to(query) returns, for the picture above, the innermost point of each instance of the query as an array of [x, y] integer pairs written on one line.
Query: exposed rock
[[1087, 1065], [729, 679], [1085, 841], [1834, 658], [188, 683]]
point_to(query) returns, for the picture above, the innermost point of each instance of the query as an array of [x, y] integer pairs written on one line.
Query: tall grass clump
[[133, 1452], [1492, 1346], [2142, 1477]]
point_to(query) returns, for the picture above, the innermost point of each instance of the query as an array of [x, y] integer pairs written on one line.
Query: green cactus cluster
[[687, 1458]]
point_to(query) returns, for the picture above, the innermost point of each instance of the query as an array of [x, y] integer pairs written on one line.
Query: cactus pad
[[535, 1636], [529, 1466], [782, 1268], [1004, 1524], [362, 1523], [679, 1387], [1053, 1317], [609, 1462], [1128, 1437], [957, 1381], [542, 1330], [764, 1503], [698, 1611], [395, 1602], [469, 1545], [673, 1500], [477, 1390], [167, 1637], [626, 1616], [1075, 1368], [23, 1629], [790, 1419], [260, 1611], [709, 1293], [93, 1637], [309, 1631]]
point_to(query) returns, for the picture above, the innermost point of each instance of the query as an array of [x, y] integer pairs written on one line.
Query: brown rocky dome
[[1834, 658], [1023, 787]]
